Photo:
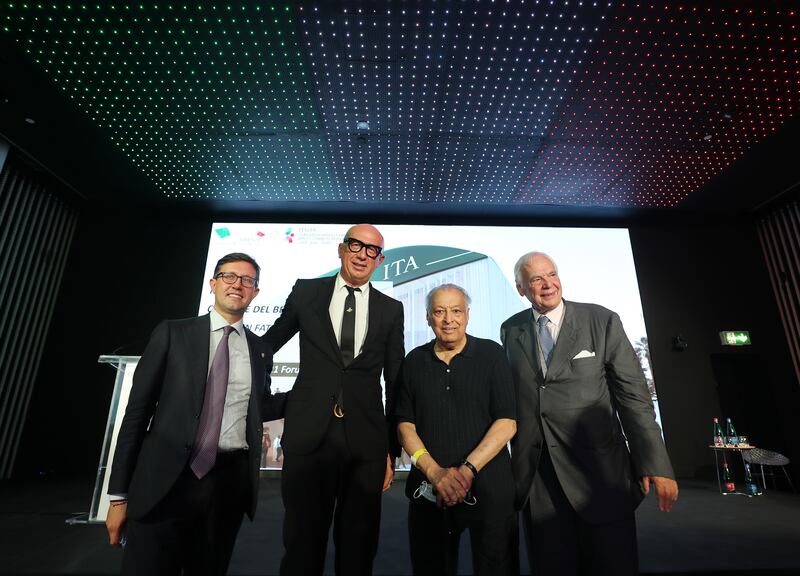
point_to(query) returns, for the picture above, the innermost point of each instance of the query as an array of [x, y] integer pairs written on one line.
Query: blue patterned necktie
[[205, 447], [545, 339]]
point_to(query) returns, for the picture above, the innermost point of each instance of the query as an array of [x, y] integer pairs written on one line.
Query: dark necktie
[[545, 339], [347, 341], [207, 441]]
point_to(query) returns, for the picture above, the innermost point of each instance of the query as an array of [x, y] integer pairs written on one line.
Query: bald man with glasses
[[338, 444]]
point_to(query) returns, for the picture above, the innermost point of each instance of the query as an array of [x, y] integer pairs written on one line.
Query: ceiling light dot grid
[[176, 84], [452, 98], [674, 95], [582, 103]]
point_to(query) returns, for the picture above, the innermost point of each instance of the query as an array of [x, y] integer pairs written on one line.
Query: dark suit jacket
[[309, 409], [573, 412], [169, 386]]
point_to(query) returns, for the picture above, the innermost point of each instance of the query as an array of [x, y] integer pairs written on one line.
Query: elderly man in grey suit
[[588, 447]]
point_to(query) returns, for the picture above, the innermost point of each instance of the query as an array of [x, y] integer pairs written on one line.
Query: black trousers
[[561, 543], [193, 529], [331, 485], [434, 534]]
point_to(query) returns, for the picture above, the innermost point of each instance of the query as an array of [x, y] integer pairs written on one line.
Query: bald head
[[361, 252], [365, 230]]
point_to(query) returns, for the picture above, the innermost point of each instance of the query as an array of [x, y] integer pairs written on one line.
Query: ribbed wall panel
[[780, 240], [36, 230]]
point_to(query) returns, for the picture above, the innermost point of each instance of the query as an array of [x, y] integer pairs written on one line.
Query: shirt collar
[[469, 348], [218, 322], [340, 284], [555, 315]]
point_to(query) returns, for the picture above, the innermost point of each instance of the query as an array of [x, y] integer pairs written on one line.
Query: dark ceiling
[[512, 106]]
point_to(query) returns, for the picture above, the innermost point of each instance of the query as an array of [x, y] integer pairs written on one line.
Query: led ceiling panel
[[173, 84], [496, 102]]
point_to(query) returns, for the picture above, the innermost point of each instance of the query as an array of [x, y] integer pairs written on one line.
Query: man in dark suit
[[185, 469], [579, 474], [338, 446]]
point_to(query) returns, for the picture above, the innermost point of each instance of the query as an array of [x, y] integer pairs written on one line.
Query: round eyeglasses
[[355, 246]]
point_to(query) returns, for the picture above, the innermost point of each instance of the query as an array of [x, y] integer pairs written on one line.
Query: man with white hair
[[579, 476]]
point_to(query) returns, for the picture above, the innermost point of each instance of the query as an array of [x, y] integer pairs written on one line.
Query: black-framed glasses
[[371, 250], [232, 277]]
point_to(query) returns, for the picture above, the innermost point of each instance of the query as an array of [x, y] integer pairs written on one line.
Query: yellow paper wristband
[[416, 456]]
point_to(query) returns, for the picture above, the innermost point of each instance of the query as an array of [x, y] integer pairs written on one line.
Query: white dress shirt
[[336, 311], [234, 415], [556, 316]]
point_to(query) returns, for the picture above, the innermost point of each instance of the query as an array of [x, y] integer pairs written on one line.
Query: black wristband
[[472, 468]]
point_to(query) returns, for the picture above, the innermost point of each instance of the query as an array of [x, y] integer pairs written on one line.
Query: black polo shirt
[[453, 406]]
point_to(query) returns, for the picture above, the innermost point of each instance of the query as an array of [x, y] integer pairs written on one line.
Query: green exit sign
[[735, 338]]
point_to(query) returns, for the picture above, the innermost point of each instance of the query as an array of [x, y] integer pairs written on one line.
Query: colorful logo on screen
[[289, 235], [223, 232]]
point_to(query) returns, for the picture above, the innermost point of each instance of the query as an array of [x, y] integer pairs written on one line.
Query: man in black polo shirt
[[456, 413]]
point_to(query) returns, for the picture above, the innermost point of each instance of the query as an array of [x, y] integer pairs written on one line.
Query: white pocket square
[[583, 354]]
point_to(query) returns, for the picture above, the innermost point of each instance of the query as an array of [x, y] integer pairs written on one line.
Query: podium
[[125, 367]]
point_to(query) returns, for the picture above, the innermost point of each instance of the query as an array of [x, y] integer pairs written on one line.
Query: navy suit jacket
[[159, 429], [370, 432], [583, 411]]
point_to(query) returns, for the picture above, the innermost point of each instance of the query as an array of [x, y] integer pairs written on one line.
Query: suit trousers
[[434, 535], [331, 485], [560, 543], [193, 529]]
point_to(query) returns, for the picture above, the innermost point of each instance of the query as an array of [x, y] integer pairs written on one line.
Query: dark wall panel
[[128, 270], [36, 230], [697, 280]]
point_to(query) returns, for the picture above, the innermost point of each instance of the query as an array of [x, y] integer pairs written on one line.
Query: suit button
[[187, 447]]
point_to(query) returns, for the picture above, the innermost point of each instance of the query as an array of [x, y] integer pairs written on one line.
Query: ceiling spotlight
[[707, 137], [362, 125], [30, 120]]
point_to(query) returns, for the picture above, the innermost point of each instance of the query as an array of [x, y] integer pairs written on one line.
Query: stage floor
[[706, 533]]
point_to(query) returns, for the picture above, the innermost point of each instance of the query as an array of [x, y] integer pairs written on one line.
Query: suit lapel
[[256, 388], [256, 363], [528, 342], [199, 336], [321, 304], [374, 314], [566, 342]]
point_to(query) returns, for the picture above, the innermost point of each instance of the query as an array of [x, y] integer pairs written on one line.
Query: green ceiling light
[[181, 108]]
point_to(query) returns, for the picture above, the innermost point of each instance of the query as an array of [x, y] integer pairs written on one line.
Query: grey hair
[[432, 293], [525, 258]]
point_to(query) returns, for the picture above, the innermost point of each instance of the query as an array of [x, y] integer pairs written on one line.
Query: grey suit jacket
[[583, 412]]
